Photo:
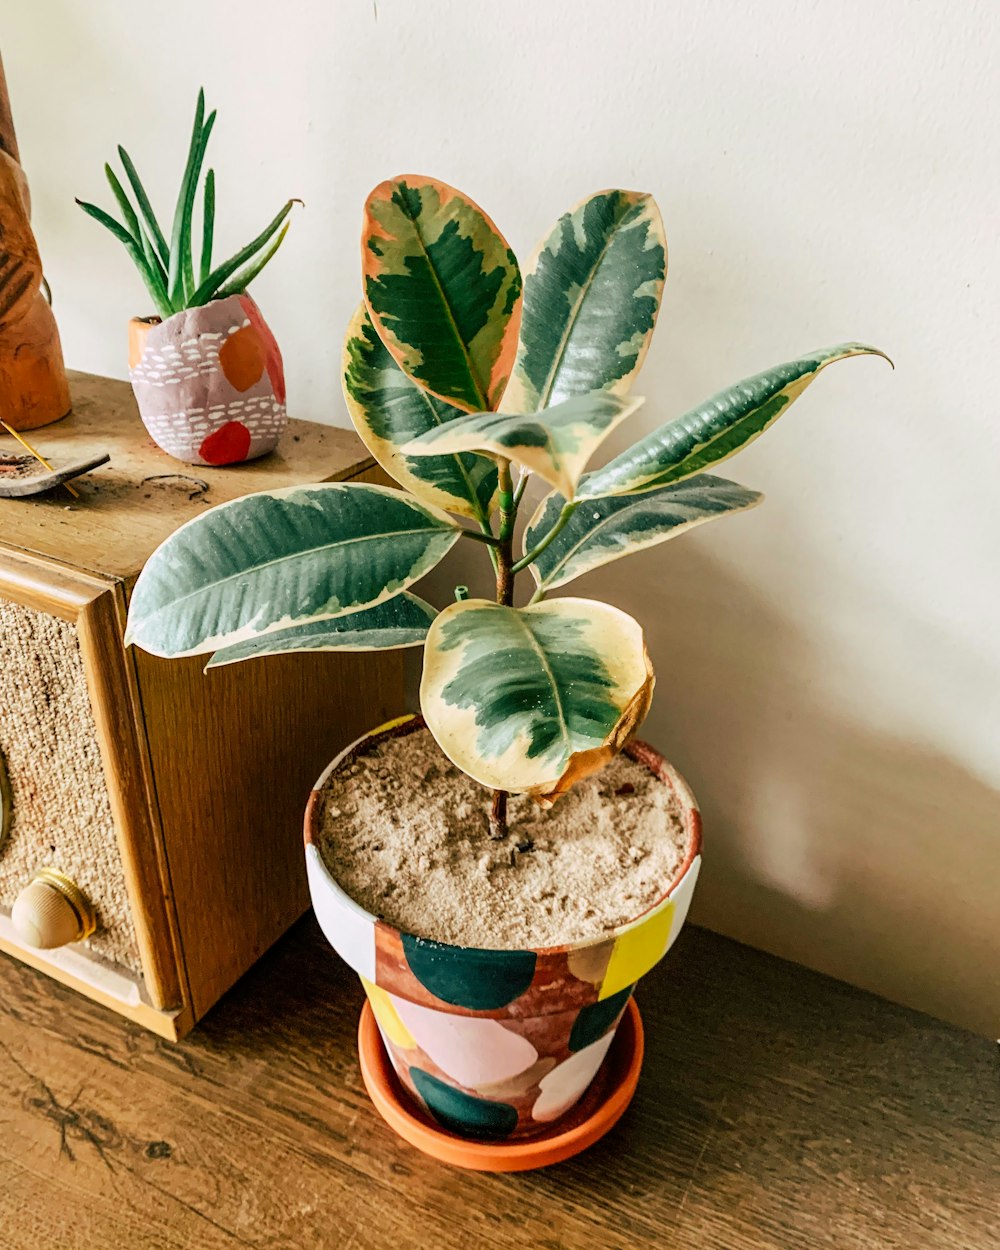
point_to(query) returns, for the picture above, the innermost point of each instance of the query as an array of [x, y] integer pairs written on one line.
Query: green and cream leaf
[[402, 621], [556, 444], [277, 559], [532, 699], [591, 294], [716, 429], [389, 410], [602, 530], [443, 290]]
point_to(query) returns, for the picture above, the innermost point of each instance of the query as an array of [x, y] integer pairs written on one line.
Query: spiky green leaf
[[532, 699], [239, 284], [388, 410], [134, 249], [602, 530], [591, 294], [273, 560], [210, 287], [180, 235], [142, 199], [716, 429], [402, 621], [556, 443], [443, 289], [207, 226]]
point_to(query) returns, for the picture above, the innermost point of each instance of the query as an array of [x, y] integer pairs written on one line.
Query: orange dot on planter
[[242, 358], [226, 445]]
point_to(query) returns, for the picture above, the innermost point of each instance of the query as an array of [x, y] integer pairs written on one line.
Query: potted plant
[[206, 369], [502, 869]]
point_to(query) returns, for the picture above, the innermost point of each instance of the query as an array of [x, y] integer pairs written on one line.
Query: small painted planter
[[209, 382], [497, 1044]]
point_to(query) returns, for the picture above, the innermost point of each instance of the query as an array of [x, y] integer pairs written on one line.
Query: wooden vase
[[33, 386]]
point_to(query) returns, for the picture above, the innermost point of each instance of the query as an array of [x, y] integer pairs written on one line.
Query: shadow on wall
[[830, 843]]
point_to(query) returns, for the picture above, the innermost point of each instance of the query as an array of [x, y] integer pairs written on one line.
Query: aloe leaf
[[207, 226], [532, 699], [243, 279], [142, 199], [399, 622], [157, 273], [180, 238], [128, 212], [134, 250], [273, 560], [224, 271], [716, 429]]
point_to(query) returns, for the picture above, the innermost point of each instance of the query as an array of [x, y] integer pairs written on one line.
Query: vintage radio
[[151, 813]]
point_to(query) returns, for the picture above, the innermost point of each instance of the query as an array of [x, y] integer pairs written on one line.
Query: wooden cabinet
[[170, 797]]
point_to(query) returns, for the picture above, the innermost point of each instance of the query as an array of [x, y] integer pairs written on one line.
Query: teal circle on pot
[[463, 1113], [595, 1020], [478, 980]]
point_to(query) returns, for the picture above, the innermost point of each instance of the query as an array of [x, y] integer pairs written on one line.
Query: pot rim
[[154, 319], [636, 749]]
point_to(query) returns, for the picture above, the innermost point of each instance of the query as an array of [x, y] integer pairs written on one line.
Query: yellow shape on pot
[[387, 1016], [637, 950]]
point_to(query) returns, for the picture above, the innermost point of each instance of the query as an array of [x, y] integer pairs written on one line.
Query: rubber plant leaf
[[443, 289], [399, 622], [531, 700], [591, 294], [602, 530], [716, 429], [389, 410], [277, 559], [556, 444]]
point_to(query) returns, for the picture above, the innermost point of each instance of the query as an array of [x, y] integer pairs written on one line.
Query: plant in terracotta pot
[[206, 370], [503, 869]]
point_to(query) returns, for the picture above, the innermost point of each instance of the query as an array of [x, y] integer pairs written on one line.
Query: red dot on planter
[[226, 445]]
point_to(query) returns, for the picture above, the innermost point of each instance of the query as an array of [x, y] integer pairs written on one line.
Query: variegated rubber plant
[[168, 270], [453, 375]]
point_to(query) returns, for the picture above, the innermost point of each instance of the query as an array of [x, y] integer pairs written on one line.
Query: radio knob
[[52, 911]]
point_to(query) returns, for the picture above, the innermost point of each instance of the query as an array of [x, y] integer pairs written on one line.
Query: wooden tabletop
[[777, 1108], [129, 506]]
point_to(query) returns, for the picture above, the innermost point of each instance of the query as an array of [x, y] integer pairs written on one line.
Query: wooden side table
[[168, 798]]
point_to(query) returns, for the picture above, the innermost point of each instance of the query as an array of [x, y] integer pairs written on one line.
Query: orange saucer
[[598, 1111]]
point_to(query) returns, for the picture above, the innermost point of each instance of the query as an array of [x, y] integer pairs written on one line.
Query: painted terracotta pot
[[209, 382], [497, 1044]]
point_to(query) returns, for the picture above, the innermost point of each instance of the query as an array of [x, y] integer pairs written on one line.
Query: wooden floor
[[776, 1109]]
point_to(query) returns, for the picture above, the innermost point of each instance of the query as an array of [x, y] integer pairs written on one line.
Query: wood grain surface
[[776, 1109], [133, 503]]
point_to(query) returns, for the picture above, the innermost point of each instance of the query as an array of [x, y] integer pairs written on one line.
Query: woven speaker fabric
[[61, 810]]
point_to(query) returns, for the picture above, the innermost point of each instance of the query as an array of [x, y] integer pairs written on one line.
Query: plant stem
[[535, 552], [505, 548], [498, 816], [481, 537], [505, 596]]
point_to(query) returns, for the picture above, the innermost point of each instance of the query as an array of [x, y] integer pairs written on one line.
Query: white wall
[[829, 665]]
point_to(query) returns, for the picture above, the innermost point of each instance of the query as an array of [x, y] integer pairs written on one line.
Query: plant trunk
[[505, 595]]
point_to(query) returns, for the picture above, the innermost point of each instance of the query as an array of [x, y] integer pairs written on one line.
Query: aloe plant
[[453, 375], [168, 270]]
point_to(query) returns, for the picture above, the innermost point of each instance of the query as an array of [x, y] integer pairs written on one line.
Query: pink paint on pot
[[497, 1044], [209, 382]]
